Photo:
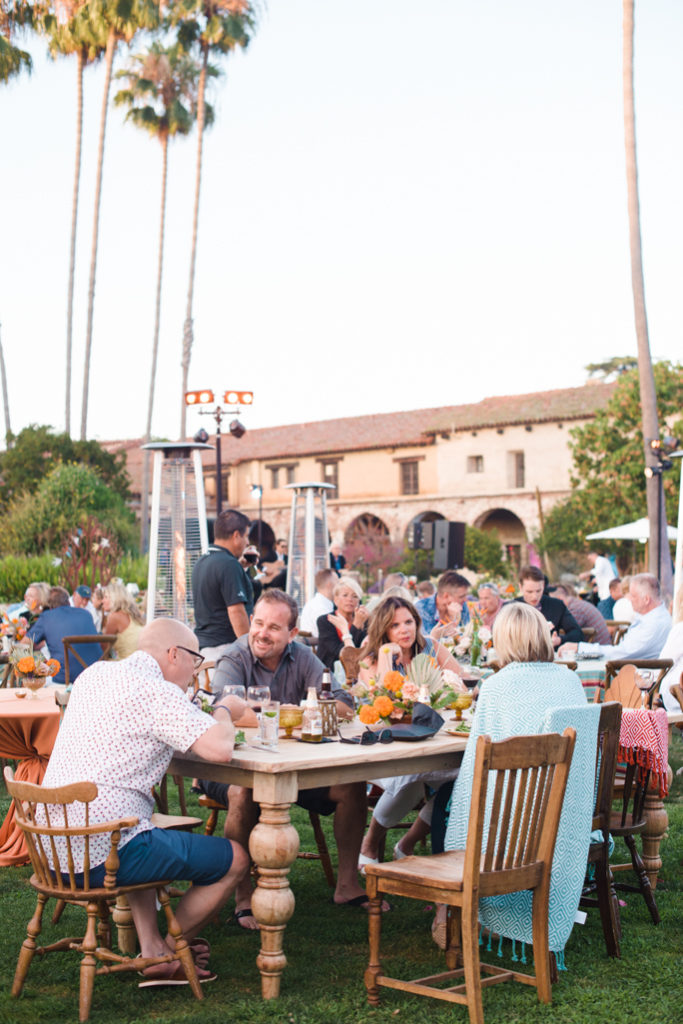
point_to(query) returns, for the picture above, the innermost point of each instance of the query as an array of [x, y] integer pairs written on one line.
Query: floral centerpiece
[[31, 668], [12, 630], [474, 640], [392, 698]]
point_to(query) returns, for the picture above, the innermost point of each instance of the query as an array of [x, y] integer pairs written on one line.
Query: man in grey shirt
[[268, 656]]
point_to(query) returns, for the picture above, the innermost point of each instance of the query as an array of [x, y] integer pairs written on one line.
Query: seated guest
[[35, 599], [394, 639], [97, 613], [395, 583], [447, 608], [490, 603], [515, 702], [321, 603], [673, 648], [337, 560], [425, 588], [585, 613], [623, 610], [268, 656], [123, 617], [606, 606], [121, 726], [60, 620], [81, 598], [646, 637], [532, 585], [346, 626]]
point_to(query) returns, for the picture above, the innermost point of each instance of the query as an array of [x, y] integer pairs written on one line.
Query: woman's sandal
[[172, 973]]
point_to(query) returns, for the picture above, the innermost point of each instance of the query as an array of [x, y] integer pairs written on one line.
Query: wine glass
[[234, 690], [256, 695], [644, 681]]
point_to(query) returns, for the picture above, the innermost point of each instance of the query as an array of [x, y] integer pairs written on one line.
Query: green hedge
[[17, 571]]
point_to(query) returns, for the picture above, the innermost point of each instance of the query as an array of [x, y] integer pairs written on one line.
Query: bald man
[[122, 724]]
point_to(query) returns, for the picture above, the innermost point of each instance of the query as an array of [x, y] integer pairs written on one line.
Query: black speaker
[[449, 545]]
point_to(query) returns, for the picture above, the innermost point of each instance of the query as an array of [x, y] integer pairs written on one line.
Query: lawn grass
[[327, 950]]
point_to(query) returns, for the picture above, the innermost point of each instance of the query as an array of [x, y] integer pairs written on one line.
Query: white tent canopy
[[638, 530]]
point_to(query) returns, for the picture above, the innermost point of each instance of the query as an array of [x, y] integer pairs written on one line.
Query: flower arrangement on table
[[474, 641], [13, 629], [393, 697], [31, 668]]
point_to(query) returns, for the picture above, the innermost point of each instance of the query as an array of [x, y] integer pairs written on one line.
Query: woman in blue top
[[394, 639]]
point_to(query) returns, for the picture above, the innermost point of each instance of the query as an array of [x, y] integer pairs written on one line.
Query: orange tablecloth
[[28, 729]]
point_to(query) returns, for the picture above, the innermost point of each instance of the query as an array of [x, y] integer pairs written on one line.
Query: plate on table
[[461, 729]]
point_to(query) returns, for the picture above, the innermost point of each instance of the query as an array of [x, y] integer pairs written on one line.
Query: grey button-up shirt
[[299, 668]]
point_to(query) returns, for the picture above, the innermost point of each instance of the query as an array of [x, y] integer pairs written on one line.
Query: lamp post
[[257, 494], [236, 399]]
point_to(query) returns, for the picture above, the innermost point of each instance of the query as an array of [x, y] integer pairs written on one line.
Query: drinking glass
[[256, 695], [234, 690], [644, 681], [269, 723]]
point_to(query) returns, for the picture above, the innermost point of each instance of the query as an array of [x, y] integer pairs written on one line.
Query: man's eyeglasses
[[368, 738], [198, 658]]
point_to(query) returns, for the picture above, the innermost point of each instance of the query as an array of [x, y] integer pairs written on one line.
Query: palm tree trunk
[[5, 399], [656, 510], [72, 249], [187, 328], [144, 504], [109, 60]]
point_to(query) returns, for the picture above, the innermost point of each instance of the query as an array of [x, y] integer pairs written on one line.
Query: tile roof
[[394, 429]]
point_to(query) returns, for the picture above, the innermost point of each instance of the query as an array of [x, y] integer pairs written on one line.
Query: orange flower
[[368, 715], [26, 665], [393, 681], [53, 666], [384, 706]]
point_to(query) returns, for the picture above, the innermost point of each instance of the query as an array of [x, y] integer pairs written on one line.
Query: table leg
[[657, 823], [273, 845]]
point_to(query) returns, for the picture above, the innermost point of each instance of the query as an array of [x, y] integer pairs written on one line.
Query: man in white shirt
[[646, 637], [602, 571], [320, 604]]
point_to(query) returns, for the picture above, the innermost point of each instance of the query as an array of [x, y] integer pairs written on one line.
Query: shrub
[[16, 572]]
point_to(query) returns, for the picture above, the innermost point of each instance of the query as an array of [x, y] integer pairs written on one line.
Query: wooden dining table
[[28, 730], [276, 778]]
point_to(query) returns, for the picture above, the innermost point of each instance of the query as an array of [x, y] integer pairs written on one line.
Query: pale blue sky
[[404, 205]]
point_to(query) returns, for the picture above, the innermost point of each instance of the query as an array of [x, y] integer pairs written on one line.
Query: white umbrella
[[639, 530]]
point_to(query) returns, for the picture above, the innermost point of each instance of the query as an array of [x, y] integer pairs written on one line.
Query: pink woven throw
[[644, 740]]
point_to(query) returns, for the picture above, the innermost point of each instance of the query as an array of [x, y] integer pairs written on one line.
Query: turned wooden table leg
[[123, 919], [273, 845], [657, 823]]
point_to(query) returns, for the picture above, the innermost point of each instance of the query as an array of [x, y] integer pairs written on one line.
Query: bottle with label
[[312, 721], [328, 706]]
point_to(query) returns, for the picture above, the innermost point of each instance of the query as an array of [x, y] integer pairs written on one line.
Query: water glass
[[234, 690], [269, 724]]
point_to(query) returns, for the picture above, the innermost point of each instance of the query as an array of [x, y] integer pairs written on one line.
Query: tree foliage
[[62, 501], [36, 450], [608, 482]]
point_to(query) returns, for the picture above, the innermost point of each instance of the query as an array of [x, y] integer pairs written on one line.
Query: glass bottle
[[312, 721]]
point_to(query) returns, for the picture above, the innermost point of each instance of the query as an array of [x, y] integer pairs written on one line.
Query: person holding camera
[[222, 591]]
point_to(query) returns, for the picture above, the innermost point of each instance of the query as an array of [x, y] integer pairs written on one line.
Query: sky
[[403, 205]]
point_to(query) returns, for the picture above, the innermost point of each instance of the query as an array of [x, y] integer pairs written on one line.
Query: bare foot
[[245, 919]]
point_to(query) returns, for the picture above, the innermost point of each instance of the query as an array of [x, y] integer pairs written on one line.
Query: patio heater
[[178, 531], [308, 539]]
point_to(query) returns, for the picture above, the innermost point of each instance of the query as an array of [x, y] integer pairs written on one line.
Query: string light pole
[[235, 400]]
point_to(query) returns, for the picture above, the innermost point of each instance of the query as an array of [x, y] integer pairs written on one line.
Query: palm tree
[[656, 511], [13, 14], [212, 27], [76, 34], [162, 100], [121, 19]]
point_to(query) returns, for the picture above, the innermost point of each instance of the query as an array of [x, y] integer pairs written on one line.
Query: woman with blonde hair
[[122, 617], [345, 627], [36, 598]]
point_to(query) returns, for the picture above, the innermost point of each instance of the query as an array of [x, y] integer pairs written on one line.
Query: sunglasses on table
[[368, 738]]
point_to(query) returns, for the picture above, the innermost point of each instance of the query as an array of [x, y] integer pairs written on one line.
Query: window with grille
[[409, 478], [475, 463]]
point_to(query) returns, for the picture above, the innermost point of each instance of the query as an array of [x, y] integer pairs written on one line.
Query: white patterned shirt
[[121, 727]]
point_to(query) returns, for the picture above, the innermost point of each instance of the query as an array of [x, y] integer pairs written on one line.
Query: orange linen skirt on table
[[28, 730]]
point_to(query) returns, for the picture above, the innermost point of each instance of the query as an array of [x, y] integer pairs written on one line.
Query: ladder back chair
[[529, 777], [106, 641], [617, 628], [51, 849], [620, 684], [598, 852]]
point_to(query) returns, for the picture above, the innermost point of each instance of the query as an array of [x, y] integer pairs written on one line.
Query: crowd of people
[[126, 718]]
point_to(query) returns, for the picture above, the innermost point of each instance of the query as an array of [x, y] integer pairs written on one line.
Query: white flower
[[485, 634], [104, 541], [56, 562]]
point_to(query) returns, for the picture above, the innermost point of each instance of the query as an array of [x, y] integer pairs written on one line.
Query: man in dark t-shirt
[[221, 590]]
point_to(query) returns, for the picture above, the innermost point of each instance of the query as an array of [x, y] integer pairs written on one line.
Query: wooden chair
[[588, 633], [94, 946], [203, 676], [620, 680], [323, 854], [106, 640], [598, 854], [617, 628], [630, 791], [351, 658], [529, 785]]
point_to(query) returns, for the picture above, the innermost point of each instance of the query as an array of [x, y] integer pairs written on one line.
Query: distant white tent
[[639, 530]]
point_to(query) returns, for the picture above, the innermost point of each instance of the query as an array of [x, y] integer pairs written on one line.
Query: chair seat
[[617, 829], [179, 822], [436, 871]]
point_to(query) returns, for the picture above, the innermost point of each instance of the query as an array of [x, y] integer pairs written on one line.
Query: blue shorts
[[162, 853]]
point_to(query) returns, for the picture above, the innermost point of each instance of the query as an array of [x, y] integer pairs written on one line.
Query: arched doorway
[[422, 517], [510, 530], [367, 545]]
